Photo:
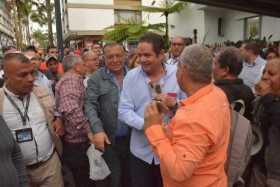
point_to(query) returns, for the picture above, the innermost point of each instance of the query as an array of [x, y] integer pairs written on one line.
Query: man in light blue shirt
[[253, 65], [41, 80], [140, 86]]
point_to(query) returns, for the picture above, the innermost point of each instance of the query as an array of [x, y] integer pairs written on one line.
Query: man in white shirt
[[91, 60], [30, 120], [253, 65], [177, 46]]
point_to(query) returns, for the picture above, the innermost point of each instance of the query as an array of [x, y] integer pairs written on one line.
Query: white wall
[[234, 25], [90, 19], [152, 17], [102, 2], [271, 25], [186, 21], [211, 26], [205, 19]]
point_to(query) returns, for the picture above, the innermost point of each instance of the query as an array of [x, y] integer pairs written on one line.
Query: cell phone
[[158, 89]]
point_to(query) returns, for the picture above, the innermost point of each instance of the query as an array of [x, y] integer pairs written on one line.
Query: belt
[[38, 164]]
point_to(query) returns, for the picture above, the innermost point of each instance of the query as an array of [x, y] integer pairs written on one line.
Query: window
[[122, 16], [253, 28]]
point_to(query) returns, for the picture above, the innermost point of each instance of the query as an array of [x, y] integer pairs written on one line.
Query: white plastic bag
[[98, 167]]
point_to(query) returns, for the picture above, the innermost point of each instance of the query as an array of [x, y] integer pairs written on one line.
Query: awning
[[264, 7]]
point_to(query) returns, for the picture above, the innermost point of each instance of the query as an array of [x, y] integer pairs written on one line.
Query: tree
[[41, 38], [130, 30], [26, 10], [16, 16], [168, 7], [43, 16], [21, 12]]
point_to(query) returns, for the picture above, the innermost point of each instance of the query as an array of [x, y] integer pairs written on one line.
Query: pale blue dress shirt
[[136, 94], [252, 73]]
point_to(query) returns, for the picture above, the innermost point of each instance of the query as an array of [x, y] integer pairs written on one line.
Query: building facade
[[88, 19], [6, 27], [216, 25]]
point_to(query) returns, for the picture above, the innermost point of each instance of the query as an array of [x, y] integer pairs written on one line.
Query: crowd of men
[[158, 118]]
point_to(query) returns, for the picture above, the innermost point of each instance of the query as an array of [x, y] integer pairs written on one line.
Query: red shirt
[[60, 69]]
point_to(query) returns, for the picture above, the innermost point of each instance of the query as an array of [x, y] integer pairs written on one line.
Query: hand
[[99, 140], [167, 100], [58, 127], [152, 116], [262, 88]]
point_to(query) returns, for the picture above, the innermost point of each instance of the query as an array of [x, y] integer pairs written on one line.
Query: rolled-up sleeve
[[180, 156], [126, 111]]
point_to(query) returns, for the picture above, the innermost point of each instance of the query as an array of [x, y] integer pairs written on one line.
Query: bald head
[[198, 60], [19, 73]]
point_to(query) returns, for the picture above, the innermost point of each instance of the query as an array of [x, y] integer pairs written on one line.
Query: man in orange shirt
[[193, 148], [52, 52]]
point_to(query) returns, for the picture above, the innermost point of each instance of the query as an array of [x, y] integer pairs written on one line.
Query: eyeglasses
[[177, 44]]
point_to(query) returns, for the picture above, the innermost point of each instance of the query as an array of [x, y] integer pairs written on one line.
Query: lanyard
[[24, 116]]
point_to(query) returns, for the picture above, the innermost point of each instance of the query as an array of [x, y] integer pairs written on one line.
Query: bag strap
[[1, 100], [240, 103], [234, 118]]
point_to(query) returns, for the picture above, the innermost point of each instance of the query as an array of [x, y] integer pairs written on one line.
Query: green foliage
[[25, 8], [166, 8], [130, 30], [44, 16], [40, 15], [41, 38]]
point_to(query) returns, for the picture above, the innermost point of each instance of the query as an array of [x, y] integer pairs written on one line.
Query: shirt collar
[[76, 75], [254, 63], [9, 92], [228, 81], [108, 72], [166, 74], [197, 95], [12, 94]]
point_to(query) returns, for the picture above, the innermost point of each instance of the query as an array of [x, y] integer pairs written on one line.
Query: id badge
[[24, 135]]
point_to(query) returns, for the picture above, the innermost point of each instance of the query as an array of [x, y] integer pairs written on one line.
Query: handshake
[[154, 111], [165, 102]]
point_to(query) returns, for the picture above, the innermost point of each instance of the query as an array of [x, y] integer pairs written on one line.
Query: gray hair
[[88, 54], [198, 60], [70, 60], [178, 37]]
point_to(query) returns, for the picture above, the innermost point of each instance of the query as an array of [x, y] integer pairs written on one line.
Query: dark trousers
[[144, 174], [75, 158], [116, 157]]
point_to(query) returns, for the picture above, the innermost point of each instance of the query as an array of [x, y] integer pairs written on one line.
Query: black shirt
[[235, 89]]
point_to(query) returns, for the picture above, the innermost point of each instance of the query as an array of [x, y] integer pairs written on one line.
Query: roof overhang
[[264, 7], [76, 35]]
